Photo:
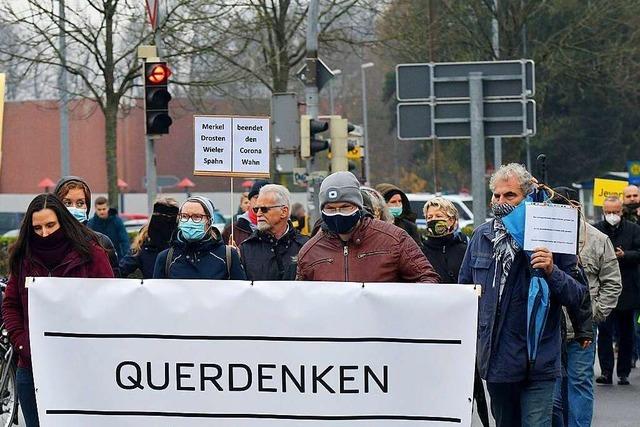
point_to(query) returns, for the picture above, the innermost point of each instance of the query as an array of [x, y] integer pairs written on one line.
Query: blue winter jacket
[[502, 332], [114, 228], [204, 259]]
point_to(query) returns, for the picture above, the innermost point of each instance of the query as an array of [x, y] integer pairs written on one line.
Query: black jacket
[[581, 317], [265, 258], [626, 236], [445, 255], [144, 260], [106, 243]]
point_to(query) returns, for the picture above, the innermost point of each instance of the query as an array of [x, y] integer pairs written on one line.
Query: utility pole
[[65, 168], [527, 140], [150, 153], [311, 99], [495, 43]]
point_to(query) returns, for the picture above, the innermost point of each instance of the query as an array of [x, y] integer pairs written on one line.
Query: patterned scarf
[[504, 246]]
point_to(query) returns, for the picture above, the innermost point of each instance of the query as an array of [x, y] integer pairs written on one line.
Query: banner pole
[[232, 241]]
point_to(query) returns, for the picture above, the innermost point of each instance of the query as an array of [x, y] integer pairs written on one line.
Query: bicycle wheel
[[8, 396]]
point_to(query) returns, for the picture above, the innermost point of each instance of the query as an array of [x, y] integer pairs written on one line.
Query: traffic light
[[339, 129], [310, 142], [156, 98]]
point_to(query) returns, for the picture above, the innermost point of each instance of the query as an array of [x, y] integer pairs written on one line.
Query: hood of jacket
[[388, 191], [70, 178]]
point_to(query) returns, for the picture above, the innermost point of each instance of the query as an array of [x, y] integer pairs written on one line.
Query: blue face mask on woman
[[192, 231], [341, 223], [78, 213]]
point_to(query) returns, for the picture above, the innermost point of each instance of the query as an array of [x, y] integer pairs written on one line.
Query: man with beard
[[631, 204], [271, 252]]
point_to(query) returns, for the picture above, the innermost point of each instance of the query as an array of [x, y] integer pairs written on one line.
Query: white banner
[[110, 352]]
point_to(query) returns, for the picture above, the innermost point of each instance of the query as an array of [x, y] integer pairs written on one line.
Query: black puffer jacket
[[265, 258], [445, 255], [627, 237]]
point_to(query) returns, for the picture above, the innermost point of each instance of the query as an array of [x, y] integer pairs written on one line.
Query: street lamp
[[336, 73], [367, 159]]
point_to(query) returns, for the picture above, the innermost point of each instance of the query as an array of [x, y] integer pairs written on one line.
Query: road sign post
[[478, 190]]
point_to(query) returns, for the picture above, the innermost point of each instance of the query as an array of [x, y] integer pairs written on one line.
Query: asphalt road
[[615, 405]]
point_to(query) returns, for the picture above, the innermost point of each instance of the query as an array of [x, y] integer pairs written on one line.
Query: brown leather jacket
[[376, 252]]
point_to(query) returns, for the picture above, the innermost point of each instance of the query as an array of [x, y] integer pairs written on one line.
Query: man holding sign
[[518, 344]]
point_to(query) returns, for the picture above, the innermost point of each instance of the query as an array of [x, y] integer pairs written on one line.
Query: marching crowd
[[539, 313]]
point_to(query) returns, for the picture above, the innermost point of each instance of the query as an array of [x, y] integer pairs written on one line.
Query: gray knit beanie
[[340, 187]]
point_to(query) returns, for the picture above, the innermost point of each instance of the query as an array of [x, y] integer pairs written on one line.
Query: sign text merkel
[[231, 146]]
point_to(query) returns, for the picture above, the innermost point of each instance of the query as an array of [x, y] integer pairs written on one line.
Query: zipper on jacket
[[345, 251], [380, 252]]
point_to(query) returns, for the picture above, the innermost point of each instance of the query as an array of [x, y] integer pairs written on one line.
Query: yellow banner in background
[[603, 188], [2, 79]]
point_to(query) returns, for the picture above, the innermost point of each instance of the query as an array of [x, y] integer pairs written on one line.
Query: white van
[[462, 202]]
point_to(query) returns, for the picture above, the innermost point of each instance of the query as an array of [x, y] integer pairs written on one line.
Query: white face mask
[[612, 219]]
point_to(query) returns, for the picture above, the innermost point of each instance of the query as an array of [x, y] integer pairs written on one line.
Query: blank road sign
[[450, 80], [451, 120], [414, 121]]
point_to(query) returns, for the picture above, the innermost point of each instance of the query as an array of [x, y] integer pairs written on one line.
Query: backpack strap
[[228, 257], [167, 262]]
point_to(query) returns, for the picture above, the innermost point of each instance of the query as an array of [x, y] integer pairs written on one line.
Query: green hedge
[[5, 242]]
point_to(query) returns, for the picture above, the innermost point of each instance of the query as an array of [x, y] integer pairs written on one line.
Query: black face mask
[[341, 224], [438, 228]]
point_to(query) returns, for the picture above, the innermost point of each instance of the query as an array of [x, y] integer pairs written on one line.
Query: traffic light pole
[[150, 153], [311, 98]]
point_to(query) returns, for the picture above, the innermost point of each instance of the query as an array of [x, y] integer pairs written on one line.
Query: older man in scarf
[[518, 348]]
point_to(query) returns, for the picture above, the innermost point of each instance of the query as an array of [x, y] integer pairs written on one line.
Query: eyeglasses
[[342, 210], [265, 209], [183, 217]]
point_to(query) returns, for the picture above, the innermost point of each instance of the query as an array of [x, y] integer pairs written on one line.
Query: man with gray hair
[[520, 382], [625, 237], [354, 247], [271, 252]]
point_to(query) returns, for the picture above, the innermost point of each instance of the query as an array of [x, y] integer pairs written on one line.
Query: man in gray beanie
[[354, 247]]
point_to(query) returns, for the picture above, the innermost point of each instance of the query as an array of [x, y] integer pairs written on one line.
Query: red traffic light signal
[[156, 98], [157, 73]]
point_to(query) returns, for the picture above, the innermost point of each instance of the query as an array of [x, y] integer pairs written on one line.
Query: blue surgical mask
[[78, 213], [192, 231], [340, 223], [396, 211]]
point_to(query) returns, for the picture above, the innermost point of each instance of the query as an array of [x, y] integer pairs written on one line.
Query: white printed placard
[[163, 353], [552, 226], [232, 146], [251, 144], [213, 144]]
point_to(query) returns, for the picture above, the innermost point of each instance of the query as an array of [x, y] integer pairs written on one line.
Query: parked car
[[9, 222], [462, 202]]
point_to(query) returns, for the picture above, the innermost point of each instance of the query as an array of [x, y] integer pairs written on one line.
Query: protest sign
[[199, 353], [552, 226]]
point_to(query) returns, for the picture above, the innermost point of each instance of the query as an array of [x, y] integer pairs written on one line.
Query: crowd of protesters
[[536, 376]]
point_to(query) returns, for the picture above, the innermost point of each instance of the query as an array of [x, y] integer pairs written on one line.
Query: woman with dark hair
[[51, 243]]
